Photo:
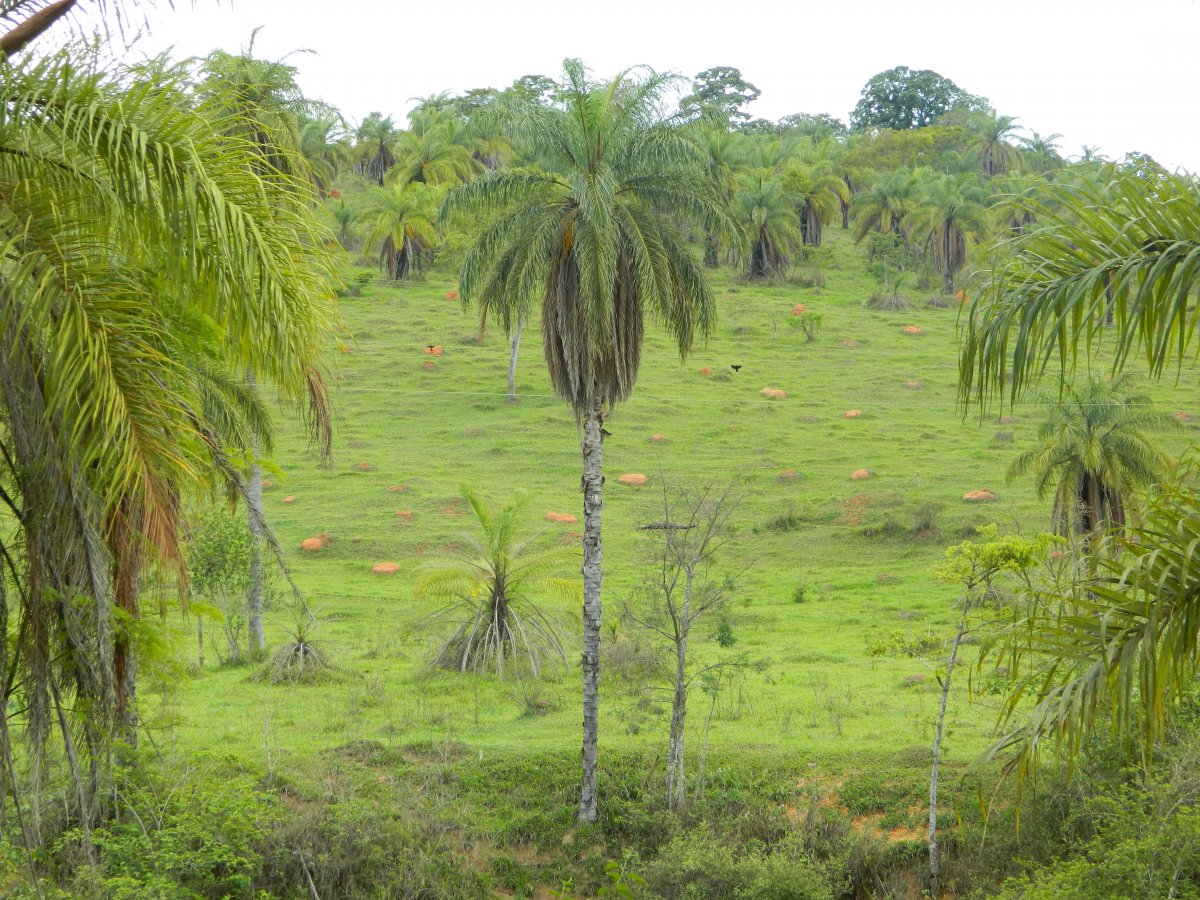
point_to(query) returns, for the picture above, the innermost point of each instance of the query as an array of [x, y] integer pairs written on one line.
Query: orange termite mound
[[961, 296], [404, 514], [364, 466], [266, 484], [912, 329], [385, 568], [799, 309], [429, 364], [706, 371], [847, 342], [433, 350], [657, 438], [288, 499], [561, 518], [451, 295], [913, 385], [787, 475], [633, 478], [983, 495], [852, 414], [860, 474], [397, 488], [773, 393], [312, 545]]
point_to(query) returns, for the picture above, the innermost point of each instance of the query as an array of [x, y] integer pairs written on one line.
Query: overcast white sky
[[1119, 75]]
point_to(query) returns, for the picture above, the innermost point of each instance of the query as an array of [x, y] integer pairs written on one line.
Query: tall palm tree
[[943, 215], [1093, 452], [819, 194], [767, 212], [591, 233], [1042, 152], [992, 136], [149, 263], [263, 105], [403, 227], [492, 590], [1123, 644], [884, 204], [724, 159], [375, 141]]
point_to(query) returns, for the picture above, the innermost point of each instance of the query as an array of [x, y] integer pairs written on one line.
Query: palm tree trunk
[[711, 259], [254, 520], [512, 361], [592, 504]]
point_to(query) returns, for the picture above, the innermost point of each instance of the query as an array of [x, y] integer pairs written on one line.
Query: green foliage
[[718, 94], [701, 864], [1093, 453], [809, 323], [179, 834], [1136, 835], [974, 564], [903, 98], [219, 551], [492, 591]]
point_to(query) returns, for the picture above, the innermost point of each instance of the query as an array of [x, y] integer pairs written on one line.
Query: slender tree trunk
[[934, 861], [948, 282], [200, 641], [711, 260], [592, 504], [254, 519], [1108, 300], [512, 361], [676, 794]]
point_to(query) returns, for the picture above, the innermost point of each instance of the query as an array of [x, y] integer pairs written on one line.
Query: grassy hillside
[[479, 774], [828, 562]]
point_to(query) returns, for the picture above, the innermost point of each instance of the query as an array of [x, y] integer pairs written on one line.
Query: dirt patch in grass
[[861, 474], [385, 568], [633, 479], [983, 495], [561, 518], [365, 466]]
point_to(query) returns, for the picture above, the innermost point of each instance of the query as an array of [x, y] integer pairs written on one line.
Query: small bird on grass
[[736, 368]]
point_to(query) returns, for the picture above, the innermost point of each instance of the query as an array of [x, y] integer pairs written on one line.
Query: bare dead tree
[[683, 588]]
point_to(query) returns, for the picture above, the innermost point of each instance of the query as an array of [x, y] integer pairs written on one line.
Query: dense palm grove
[[172, 233]]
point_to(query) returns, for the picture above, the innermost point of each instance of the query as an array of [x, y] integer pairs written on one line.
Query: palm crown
[[585, 231]]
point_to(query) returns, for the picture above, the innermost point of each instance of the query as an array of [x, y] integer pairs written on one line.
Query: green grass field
[[810, 694]]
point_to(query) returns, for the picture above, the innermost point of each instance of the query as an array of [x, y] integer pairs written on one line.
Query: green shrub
[[701, 864], [190, 833]]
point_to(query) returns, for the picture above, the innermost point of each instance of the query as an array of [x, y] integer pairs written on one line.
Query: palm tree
[[375, 146], [945, 211], [589, 232], [1042, 152], [818, 194], [724, 159], [768, 213], [1123, 643], [991, 134], [403, 227], [323, 145], [884, 204], [1093, 452], [150, 262], [261, 103], [490, 591], [432, 152]]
